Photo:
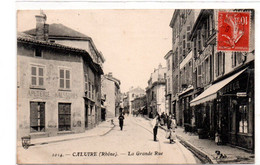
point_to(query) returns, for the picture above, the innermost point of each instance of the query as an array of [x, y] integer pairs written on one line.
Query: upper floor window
[[168, 64], [199, 76], [37, 75], [220, 63], [236, 58], [86, 84], [38, 52], [64, 78]]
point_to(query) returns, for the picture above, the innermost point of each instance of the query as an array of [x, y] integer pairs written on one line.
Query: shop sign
[[38, 94], [241, 94]]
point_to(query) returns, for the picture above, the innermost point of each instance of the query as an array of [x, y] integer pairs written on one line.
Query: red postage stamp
[[233, 31]]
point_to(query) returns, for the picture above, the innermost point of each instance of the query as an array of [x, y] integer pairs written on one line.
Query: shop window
[[37, 76], [37, 116], [64, 116], [243, 119], [64, 79]]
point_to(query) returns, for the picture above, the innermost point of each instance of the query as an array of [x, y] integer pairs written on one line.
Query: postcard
[[136, 86]]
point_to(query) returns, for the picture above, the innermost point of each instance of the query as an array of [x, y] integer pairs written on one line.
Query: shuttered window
[[64, 79], [86, 85], [199, 77], [37, 116], [64, 116], [37, 76]]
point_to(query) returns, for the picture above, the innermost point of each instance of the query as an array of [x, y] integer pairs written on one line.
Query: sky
[[133, 42]]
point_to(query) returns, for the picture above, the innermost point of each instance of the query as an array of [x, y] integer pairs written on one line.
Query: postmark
[[233, 31]]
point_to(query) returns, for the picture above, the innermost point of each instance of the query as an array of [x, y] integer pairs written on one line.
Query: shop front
[[225, 111]]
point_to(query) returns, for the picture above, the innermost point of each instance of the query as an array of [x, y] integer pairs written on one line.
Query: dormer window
[[38, 52]]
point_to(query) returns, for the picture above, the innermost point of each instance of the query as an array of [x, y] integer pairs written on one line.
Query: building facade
[[139, 105], [51, 85], [132, 94], [111, 92], [155, 92], [168, 85], [226, 105], [182, 65]]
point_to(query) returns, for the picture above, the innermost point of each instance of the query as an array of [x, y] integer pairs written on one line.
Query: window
[[37, 116], [236, 58], [199, 76], [86, 85], [64, 79], [169, 85], [220, 69], [243, 119], [64, 116], [93, 92], [168, 64], [37, 76], [38, 52], [199, 40], [89, 90], [195, 47]]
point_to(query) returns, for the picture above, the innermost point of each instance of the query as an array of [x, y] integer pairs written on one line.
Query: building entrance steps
[[100, 130], [206, 149]]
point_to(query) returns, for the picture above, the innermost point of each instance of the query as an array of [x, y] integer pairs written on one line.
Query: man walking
[[155, 123], [121, 121]]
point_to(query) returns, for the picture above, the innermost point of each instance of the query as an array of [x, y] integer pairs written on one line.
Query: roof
[[29, 39], [59, 30]]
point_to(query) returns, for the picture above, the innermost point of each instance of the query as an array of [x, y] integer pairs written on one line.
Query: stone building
[[139, 105], [51, 85], [132, 94], [111, 92], [223, 83], [155, 92], [168, 86], [182, 65]]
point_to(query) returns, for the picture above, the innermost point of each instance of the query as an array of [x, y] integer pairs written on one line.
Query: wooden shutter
[[42, 114], [33, 114]]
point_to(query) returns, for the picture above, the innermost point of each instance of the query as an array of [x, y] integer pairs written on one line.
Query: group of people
[[169, 121]]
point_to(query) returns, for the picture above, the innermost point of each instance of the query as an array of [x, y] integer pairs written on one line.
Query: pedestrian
[[155, 124], [171, 127], [121, 121]]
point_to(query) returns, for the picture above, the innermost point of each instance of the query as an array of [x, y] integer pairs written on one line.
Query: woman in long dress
[[172, 127]]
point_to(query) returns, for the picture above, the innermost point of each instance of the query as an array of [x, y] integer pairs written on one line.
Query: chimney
[[42, 29]]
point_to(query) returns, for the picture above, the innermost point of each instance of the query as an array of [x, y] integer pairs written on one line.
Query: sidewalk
[[205, 149], [100, 130]]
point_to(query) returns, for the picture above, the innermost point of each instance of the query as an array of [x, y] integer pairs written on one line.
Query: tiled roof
[[26, 38], [59, 30], [31, 39]]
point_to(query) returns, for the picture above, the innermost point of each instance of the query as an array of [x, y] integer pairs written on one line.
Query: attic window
[[38, 52]]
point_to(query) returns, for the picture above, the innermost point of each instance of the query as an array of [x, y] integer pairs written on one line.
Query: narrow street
[[134, 145]]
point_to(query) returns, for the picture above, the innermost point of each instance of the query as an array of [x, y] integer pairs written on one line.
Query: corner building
[[54, 82]]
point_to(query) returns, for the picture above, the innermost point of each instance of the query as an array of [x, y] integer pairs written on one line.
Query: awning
[[211, 92]]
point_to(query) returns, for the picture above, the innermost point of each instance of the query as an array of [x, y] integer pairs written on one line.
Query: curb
[[205, 158], [68, 139]]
